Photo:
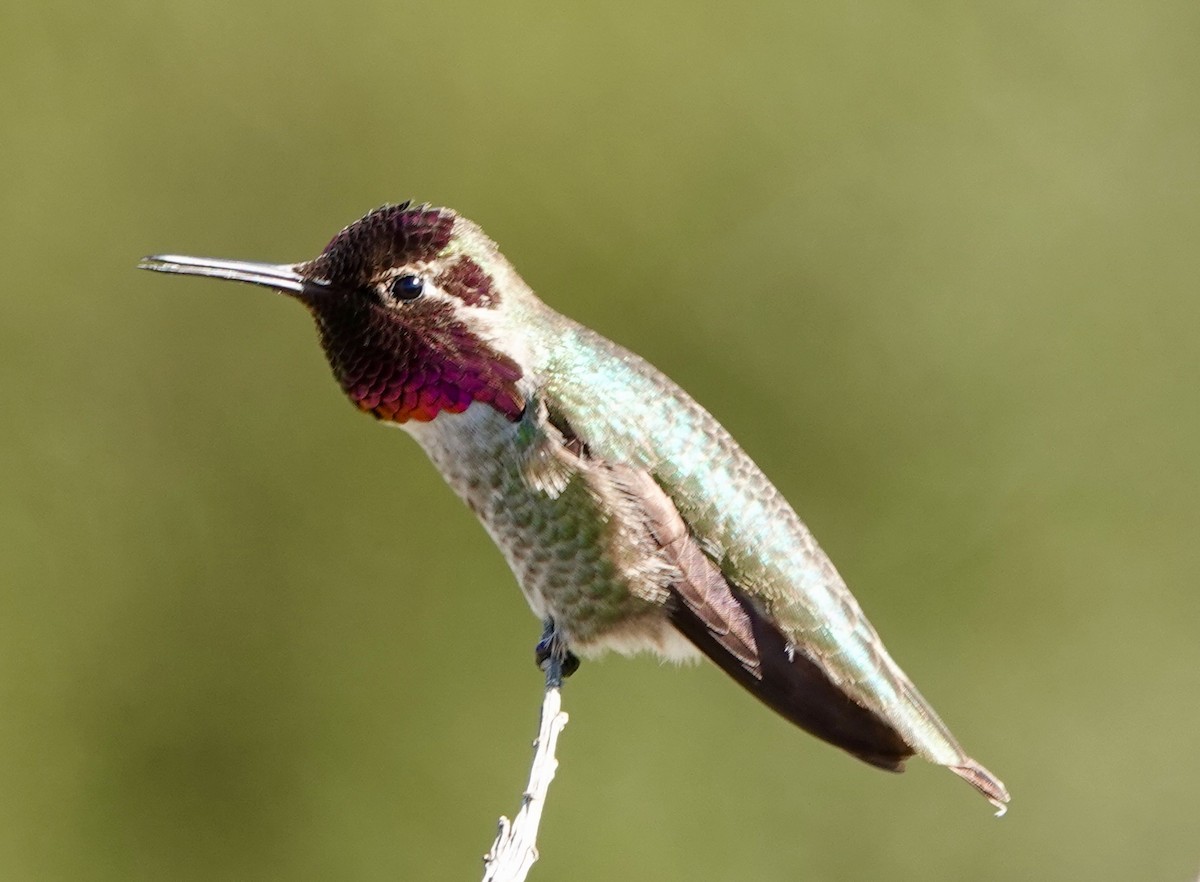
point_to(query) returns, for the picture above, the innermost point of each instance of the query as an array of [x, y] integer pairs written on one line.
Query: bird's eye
[[407, 287]]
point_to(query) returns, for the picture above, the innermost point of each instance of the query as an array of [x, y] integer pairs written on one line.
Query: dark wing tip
[[723, 623], [797, 688]]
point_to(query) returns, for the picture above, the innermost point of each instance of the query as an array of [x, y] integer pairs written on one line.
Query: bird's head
[[410, 303]]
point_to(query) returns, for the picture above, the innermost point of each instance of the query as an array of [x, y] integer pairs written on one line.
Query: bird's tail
[[784, 679], [985, 782]]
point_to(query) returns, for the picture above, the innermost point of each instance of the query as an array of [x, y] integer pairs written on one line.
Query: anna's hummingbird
[[630, 517]]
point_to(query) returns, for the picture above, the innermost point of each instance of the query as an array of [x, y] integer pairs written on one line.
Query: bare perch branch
[[515, 849]]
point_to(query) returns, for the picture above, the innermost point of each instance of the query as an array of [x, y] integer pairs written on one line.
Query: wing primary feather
[[797, 689], [724, 624]]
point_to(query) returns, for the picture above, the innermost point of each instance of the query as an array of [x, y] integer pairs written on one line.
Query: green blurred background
[[935, 266]]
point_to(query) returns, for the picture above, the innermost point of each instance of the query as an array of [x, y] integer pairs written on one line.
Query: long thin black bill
[[279, 276]]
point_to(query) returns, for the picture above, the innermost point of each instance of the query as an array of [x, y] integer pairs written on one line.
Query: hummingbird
[[630, 517]]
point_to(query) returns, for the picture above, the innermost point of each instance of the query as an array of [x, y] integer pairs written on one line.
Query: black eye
[[407, 287]]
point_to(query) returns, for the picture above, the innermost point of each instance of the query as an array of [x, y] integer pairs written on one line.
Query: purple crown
[[386, 237]]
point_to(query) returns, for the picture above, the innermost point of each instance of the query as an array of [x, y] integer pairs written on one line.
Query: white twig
[[515, 849]]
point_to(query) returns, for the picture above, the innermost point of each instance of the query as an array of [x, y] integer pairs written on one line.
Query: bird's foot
[[553, 648]]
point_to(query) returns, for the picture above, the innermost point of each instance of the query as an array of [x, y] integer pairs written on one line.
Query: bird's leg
[[552, 649]]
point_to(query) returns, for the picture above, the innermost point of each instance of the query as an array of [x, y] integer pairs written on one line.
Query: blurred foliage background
[[935, 265]]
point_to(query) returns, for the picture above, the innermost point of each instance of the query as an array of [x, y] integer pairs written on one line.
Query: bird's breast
[[568, 552]]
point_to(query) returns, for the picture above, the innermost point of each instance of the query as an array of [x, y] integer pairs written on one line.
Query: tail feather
[[985, 782], [799, 690]]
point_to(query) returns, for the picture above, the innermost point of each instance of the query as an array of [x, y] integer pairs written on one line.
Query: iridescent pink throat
[[415, 366], [415, 360]]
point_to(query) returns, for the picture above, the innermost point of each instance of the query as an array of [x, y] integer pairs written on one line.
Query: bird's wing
[[703, 604], [755, 555], [724, 624]]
